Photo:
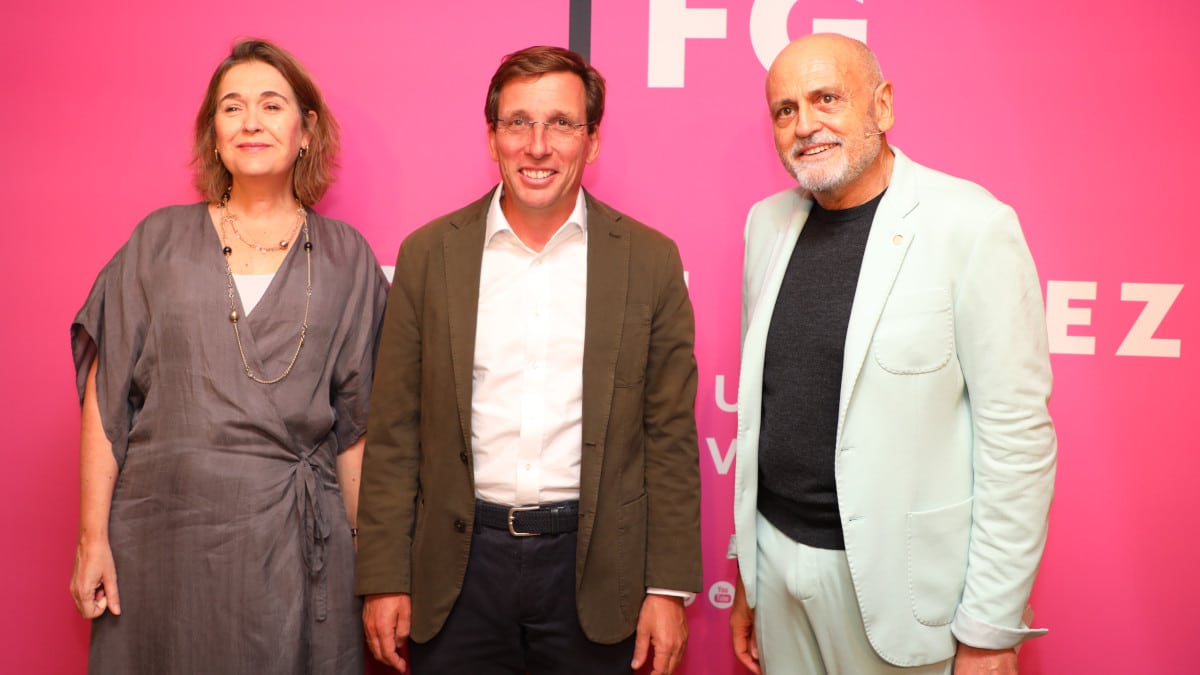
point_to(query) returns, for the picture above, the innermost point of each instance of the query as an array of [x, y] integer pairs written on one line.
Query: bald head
[[831, 108], [854, 56]]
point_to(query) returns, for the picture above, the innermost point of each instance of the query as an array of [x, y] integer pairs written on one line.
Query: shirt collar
[[497, 223]]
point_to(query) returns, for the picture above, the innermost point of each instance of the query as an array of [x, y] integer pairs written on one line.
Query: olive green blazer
[[639, 477]]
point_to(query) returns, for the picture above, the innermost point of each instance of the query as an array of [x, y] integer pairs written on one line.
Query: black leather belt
[[528, 521]]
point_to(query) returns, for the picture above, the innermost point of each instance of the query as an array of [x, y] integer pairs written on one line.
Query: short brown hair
[[313, 174], [542, 60]]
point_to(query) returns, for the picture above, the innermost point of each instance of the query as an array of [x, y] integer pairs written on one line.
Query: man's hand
[[387, 619], [974, 661], [662, 623], [741, 624], [94, 580]]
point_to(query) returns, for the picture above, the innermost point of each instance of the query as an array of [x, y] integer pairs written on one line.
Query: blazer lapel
[[887, 243], [463, 256], [760, 302], [771, 252], [608, 250]]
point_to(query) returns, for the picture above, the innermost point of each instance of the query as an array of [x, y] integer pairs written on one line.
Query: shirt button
[[528, 467], [897, 240]]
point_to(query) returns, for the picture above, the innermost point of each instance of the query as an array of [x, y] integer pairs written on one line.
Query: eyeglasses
[[559, 127]]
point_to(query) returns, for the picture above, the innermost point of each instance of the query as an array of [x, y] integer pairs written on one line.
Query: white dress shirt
[[527, 401], [527, 405]]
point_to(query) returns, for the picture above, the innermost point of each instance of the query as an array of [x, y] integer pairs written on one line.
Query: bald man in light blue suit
[[943, 451]]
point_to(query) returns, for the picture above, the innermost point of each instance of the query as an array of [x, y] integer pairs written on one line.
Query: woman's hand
[[94, 580]]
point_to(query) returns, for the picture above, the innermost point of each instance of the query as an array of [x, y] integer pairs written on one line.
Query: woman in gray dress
[[224, 361]]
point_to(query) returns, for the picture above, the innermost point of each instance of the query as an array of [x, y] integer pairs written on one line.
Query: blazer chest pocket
[[916, 333], [635, 346]]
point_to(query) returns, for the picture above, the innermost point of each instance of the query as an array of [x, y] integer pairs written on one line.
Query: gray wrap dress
[[231, 540]]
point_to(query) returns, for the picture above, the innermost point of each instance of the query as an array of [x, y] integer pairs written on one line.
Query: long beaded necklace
[[228, 218]]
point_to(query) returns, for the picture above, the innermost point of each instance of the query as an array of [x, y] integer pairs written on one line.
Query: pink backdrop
[[1074, 111]]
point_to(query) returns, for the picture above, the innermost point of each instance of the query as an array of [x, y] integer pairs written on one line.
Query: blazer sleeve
[[1001, 338], [387, 502], [673, 557]]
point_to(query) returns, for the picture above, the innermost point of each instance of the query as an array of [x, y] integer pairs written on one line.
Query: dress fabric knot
[[316, 531]]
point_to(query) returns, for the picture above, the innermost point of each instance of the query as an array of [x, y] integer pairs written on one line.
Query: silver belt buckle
[[511, 511]]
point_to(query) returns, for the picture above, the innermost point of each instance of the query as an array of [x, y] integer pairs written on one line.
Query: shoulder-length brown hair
[[313, 174]]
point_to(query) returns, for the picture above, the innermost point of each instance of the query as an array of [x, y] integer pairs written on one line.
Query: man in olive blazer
[[638, 504]]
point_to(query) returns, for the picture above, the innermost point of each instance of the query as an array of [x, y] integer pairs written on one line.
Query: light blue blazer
[[945, 448]]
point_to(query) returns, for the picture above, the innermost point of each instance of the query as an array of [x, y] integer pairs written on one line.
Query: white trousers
[[807, 621]]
